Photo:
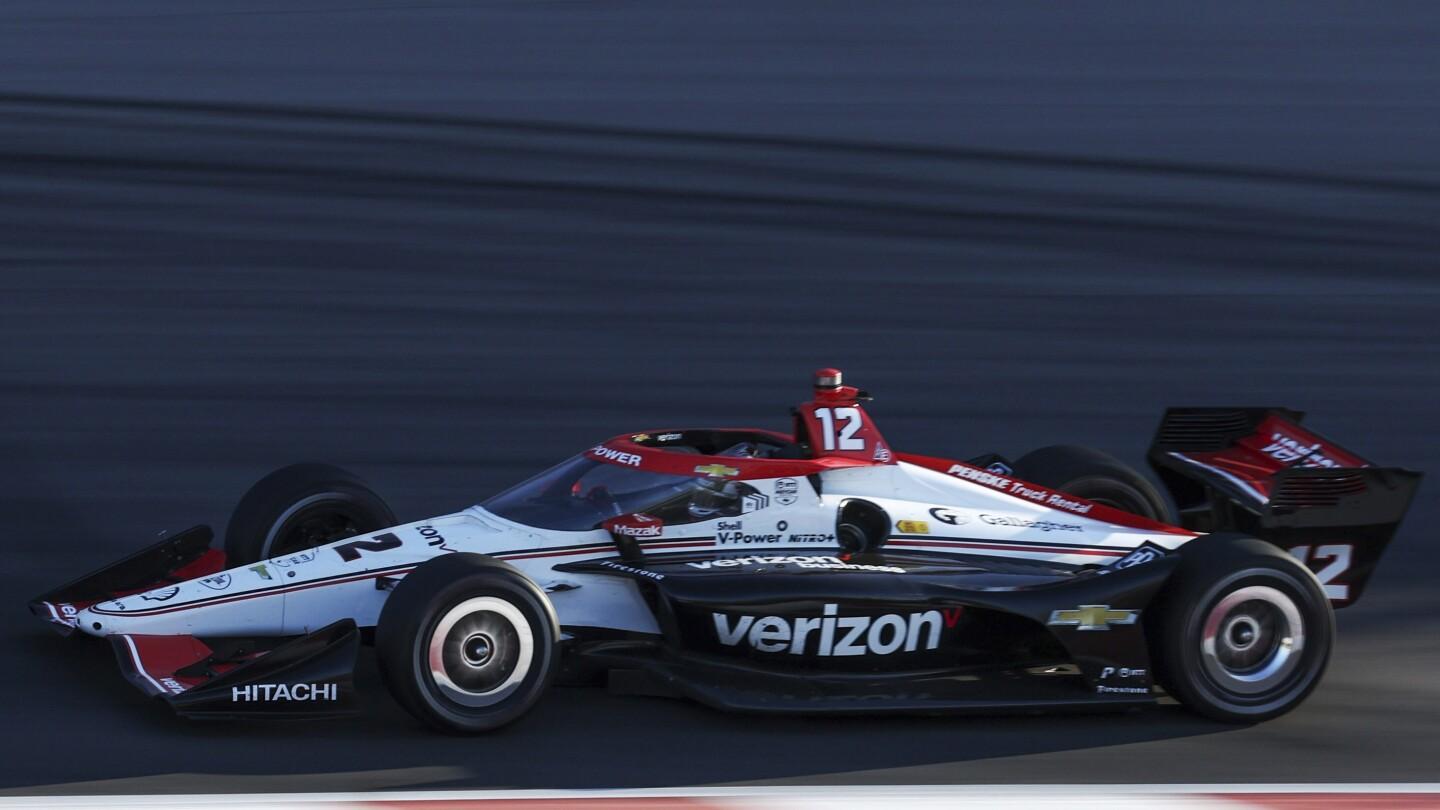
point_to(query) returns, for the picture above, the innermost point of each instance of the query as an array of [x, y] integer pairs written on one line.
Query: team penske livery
[[817, 569]]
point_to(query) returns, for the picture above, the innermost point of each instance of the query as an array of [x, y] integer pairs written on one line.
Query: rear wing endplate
[[1258, 471]]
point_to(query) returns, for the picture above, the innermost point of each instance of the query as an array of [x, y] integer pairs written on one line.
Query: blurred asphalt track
[[447, 244]]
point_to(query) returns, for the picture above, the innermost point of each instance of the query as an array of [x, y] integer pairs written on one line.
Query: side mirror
[[861, 526]]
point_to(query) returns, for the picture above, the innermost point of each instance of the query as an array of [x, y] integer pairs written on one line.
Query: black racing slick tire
[[1242, 632], [300, 507], [1095, 476], [466, 643]]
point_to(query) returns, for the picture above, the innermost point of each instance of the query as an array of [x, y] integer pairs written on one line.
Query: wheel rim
[[314, 521], [1252, 640], [480, 651]]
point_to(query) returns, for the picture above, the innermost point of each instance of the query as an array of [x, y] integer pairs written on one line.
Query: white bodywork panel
[[302, 592]]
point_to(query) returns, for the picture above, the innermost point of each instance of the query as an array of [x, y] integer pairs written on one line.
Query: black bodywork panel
[[1316, 513], [900, 631]]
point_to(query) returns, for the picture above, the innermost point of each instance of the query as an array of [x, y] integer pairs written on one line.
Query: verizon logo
[[1286, 449], [836, 635]]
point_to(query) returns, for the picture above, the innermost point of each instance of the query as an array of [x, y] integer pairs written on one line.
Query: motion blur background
[[446, 244]]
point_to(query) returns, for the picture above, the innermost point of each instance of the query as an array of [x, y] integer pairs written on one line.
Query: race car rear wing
[[1257, 471]]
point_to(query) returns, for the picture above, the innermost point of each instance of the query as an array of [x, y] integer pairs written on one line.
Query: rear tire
[[1242, 632], [300, 507], [1095, 476], [466, 643]]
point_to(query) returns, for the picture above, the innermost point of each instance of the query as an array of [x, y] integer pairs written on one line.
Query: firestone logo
[[836, 635]]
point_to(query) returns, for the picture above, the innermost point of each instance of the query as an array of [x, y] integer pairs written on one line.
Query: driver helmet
[[714, 497]]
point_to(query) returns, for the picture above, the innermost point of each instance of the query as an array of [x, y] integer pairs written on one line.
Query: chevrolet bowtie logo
[[717, 470], [1093, 617]]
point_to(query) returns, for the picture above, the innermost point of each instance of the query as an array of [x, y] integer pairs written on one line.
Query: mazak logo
[[636, 525], [831, 634]]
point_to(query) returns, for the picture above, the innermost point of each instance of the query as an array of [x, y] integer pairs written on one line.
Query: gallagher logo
[[836, 635]]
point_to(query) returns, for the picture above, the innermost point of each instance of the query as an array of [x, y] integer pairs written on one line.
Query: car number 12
[[1339, 557], [830, 419]]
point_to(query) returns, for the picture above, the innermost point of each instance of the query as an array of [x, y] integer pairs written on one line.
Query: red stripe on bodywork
[[1013, 487], [240, 597], [667, 544]]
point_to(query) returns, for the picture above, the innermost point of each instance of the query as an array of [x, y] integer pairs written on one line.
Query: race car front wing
[[305, 677]]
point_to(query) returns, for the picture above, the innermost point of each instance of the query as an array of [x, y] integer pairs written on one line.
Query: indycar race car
[[817, 570]]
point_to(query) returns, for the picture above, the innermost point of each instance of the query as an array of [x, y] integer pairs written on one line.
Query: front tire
[[1243, 632], [300, 507], [466, 643]]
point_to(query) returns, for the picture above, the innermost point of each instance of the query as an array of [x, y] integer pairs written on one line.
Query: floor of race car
[[546, 223], [81, 729]]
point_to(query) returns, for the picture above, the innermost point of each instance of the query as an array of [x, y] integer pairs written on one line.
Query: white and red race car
[[809, 571]]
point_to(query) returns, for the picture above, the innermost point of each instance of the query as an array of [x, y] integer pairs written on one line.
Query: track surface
[[447, 245]]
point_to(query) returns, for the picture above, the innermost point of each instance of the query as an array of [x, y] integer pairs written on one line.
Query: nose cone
[[229, 603], [87, 622], [107, 618], [135, 614]]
